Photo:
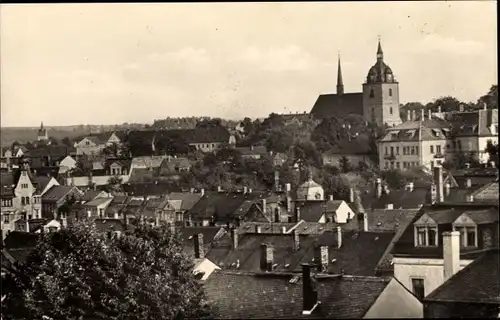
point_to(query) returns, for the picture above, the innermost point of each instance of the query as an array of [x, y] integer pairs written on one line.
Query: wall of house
[[207, 147], [427, 157], [113, 140], [354, 160], [68, 162], [206, 267], [21, 192], [395, 302], [430, 270], [412, 160], [88, 147], [343, 213]]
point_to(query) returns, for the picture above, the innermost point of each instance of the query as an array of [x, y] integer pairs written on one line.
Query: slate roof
[[172, 164], [400, 199], [488, 192], [238, 295], [57, 193], [187, 199], [444, 214], [42, 182], [428, 129], [478, 282], [58, 152], [221, 204], [390, 220], [311, 211], [90, 195], [359, 254], [97, 202], [104, 225], [329, 105], [356, 145], [302, 228], [475, 123]]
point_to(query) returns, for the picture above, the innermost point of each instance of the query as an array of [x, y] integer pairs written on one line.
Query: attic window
[[436, 132], [410, 133]]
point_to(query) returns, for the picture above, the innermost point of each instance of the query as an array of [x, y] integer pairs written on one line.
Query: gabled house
[[273, 295], [253, 152], [66, 164], [174, 166], [337, 211], [57, 200], [472, 292], [147, 162], [47, 156], [279, 159], [424, 260], [178, 203], [94, 144], [96, 208], [119, 168]]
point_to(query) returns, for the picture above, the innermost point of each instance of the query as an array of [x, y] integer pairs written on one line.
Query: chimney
[[433, 193], [309, 291], [296, 240], [439, 109], [438, 181], [258, 229], [429, 113], [264, 205], [378, 186], [288, 187], [447, 188], [202, 192], [288, 203], [27, 223], [283, 229], [351, 195], [330, 197], [276, 181], [321, 258], [362, 221], [468, 183], [413, 115], [422, 114], [492, 164], [408, 115], [266, 258], [234, 237], [339, 237], [297, 214], [451, 253], [245, 190], [199, 249], [410, 186]]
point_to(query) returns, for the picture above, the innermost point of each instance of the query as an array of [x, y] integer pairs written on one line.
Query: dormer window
[[468, 231], [426, 231]]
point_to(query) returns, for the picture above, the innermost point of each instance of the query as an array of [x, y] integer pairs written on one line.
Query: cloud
[[450, 45], [289, 58]]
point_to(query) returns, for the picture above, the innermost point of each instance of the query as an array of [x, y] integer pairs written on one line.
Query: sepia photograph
[[249, 160]]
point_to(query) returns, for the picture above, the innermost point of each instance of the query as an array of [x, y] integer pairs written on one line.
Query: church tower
[[42, 133], [340, 82], [381, 94]]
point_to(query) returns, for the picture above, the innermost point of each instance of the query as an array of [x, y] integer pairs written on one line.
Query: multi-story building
[[427, 140]]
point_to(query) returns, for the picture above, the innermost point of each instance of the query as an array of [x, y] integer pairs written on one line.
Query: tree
[[78, 273], [345, 165], [394, 178], [115, 183], [491, 98], [279, 141], [66, 141], [492, 150]]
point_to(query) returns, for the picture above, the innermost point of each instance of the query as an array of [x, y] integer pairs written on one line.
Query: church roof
[[329, 105]]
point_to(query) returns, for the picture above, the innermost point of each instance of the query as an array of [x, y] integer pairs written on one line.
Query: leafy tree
[[491, 98], [394, 178], [66, 141], [78, 273], [209, 123], [279, 141], [115, 183], [308, 152], [345, 165]]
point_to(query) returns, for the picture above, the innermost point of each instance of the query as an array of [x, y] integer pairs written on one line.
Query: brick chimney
[[266, 257], [468, 183], [288, 187], [330, 197], [296, 240], [321, 258], [451, 253], [438, 181], [378, 187], [351, 195], [297, 214], [433, 193], [339, 236], [234, 238], [264, 205], [309, 291], [199, 249]]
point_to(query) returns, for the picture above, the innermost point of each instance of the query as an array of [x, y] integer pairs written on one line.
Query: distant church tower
[[340, 82], [42, 134], [381, 93]]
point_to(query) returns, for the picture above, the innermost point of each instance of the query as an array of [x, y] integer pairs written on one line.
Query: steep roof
[[478, 282], [488, 192], [148, 188], [328, 105], [238, 295], [188, 199], [443, 214], [57, 193], [20, 239], [221, 204], [419, 130], [311, 211]]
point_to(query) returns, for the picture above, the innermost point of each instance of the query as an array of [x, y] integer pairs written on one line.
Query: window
[[412, 150], [101, 213], [23, 201], [386, 151], [426, 236], [6, 218], [416, 151], [390, 110], [392, 151], [179, 216], [390, 95], [468, 235], [454, 144], [459, 145], [386, 165], [432, 149], [438, 149], [372, 94], [418, 287], [397, 165], [397, 150], [27, 200], [404, 164], [276, 215]]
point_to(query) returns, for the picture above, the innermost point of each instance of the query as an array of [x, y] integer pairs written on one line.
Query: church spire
[[41, 126], [340, 82], [380, 53]]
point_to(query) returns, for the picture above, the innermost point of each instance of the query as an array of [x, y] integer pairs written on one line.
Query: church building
[[377, 103]]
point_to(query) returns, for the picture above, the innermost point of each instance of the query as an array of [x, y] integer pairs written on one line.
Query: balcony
[[390, 157]]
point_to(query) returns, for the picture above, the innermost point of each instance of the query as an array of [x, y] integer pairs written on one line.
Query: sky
[[67, 64]]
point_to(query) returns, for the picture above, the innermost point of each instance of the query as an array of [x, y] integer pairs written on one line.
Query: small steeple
[[340, 82], [41, 126], [380, 53]]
